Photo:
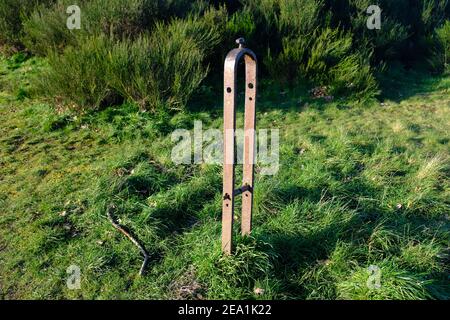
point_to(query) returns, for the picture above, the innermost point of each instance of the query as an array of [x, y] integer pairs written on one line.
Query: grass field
[[358, 185]]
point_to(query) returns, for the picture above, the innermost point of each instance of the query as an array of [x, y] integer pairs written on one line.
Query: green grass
[[358, 185]]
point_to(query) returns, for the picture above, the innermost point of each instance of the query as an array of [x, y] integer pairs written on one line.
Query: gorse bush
[[432, 14], [405, 27], [298, 17], [46, 28], [441, 42], [330, 47], [307, 51], [173, 44], [79, 75], [241, 23], [119, 18], [157, 70], [12, 14], [354, 74], [331, 61], [10, 20], [326, 59], [385, 44]]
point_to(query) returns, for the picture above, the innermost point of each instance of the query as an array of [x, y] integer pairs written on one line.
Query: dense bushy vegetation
[[439, 61], [172, 45], [12, 15]]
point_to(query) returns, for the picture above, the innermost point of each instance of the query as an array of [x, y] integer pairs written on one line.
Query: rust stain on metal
[[229, 193]]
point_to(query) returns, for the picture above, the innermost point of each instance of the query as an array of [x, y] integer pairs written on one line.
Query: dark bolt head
[[241, 42]]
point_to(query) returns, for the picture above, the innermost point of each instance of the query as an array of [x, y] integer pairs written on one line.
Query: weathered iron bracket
[[229, 192]]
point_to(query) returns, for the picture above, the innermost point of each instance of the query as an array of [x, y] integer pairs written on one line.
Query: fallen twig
[[132, 239]]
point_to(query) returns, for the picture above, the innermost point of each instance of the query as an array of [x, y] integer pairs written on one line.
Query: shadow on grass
[[398, 84], [395, 84], [297, 253]]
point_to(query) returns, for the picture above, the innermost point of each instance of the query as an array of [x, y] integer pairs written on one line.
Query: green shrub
[[326, 58], [287, 16], [321, 42], [206, 30], [240, 24], [10, 20], [329, 48], [46, 28], [311, 50], [12, 13], [405, 27], [432, 14], [119, 18], [441, 55], [157, 70], [353, 75], [181, 8], [162, 69], [78, 75], [387, 42], [332, 62], [298, 17], [277, 19], [285, 66]]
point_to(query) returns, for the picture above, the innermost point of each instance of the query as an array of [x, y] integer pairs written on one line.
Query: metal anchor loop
[[241, 42], [246, 190]]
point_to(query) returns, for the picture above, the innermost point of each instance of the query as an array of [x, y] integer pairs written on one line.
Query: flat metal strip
[[249, 143]]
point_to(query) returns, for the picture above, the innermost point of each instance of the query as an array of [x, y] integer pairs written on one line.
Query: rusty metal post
[[229, 193]]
